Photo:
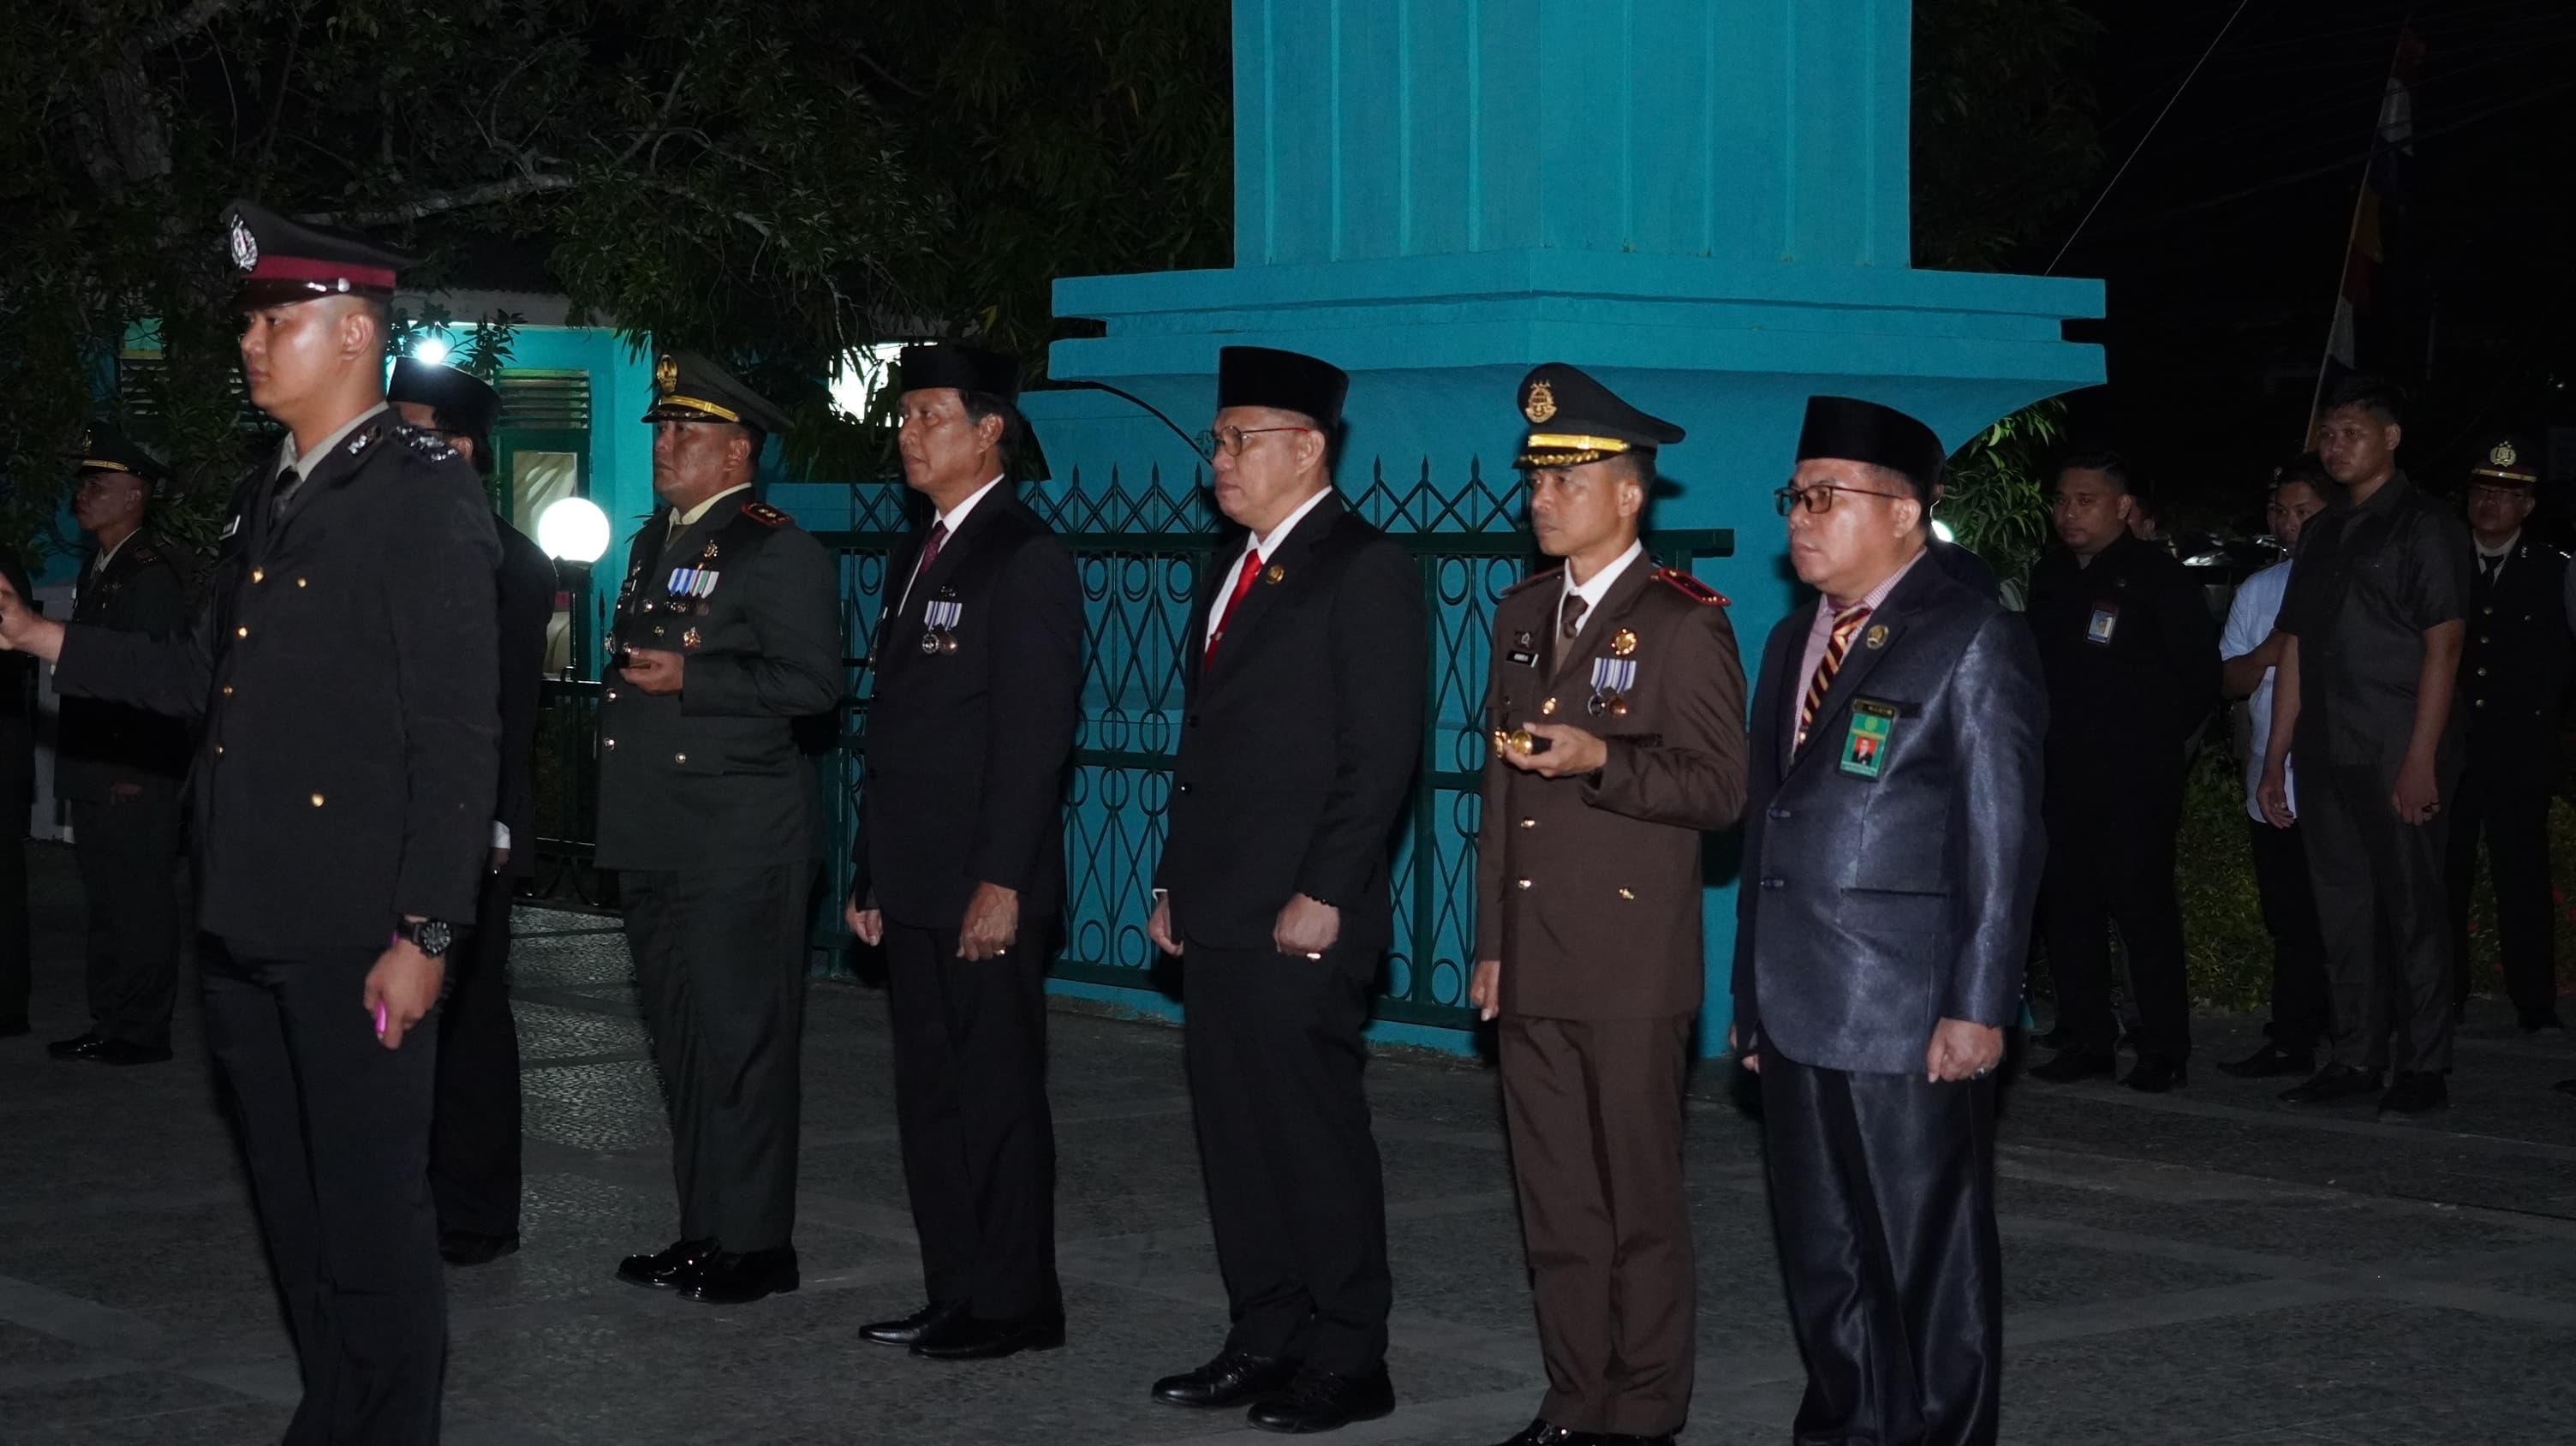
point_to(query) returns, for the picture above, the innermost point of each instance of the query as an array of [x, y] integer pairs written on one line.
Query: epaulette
[[1545, 574], [427, 443], [1690, 587], [765, 515], [143, 553]]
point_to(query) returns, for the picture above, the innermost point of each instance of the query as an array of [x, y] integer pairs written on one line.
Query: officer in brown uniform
[[1616, 704]]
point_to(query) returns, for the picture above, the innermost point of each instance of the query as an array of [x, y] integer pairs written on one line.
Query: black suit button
[[1775, 813]]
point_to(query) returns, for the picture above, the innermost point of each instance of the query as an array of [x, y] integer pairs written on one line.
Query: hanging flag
[[2380, 206]]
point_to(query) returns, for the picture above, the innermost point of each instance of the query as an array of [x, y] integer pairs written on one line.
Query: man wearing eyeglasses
[[1303, 670], [1615, 705], [1891, 856]]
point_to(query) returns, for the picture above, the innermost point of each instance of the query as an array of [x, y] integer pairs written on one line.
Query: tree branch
[[187, 22], [490, 193]]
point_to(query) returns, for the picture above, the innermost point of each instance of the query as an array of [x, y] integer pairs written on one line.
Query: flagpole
[[2352, 233]]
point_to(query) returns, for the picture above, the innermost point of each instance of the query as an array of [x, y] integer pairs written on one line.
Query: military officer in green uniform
[[119, 767], [728, 630], [1616, 710]]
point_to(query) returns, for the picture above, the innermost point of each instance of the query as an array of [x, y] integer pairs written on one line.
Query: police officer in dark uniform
[[341, 799], [1615, 704], [17, 797], [474, 1149], [120, 769], [2513, 685], [2130, 653], [958, 867], [728, 631]]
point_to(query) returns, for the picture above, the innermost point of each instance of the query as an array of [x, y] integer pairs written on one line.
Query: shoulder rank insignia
[[428, 444], [1545, 574], [766, 515], [1690, 587]]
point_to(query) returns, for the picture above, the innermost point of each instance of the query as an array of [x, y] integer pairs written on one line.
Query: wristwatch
[[429, 936]]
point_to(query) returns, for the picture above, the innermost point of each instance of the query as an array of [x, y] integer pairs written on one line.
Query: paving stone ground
[[2202, 1268]]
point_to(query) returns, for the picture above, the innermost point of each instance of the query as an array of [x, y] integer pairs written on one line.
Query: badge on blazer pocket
[[1873, 725]]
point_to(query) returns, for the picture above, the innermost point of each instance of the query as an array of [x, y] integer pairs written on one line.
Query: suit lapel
[[1776, 714], [1284, 569]]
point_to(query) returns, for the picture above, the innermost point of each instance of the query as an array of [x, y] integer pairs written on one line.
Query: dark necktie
[[1846, 623], [2488, 567], [1569, 614], [1242, 585], [288, 479], [929, 555]]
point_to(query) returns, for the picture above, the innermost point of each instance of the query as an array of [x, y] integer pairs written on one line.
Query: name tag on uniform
[[1865, 745], [2106, 620]]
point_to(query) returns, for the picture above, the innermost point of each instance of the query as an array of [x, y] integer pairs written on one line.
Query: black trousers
[[1883, 1200], [129, 866], [1295, 1197], [2299, 993], [2383, 907], [1595, 1110], [2113, 859], [17, 980], [335, 1128], [2510, 810], [978, 1139], [474, 1148], [720, 963]]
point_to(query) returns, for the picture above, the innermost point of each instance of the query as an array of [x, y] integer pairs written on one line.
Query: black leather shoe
[[905, 1331], [79, 1046], [1540, 1433], [126, 1051], [1325, 1401], [1232, 1379], [471, 1247], [2535, 1021], [2156, 1074], [2069, 1065], [668, 1268], [2565, 1087], [965, 1338], [2271, 1061], [2333, 1084], [739, 1277], [2415, 1093], [12, 1028]]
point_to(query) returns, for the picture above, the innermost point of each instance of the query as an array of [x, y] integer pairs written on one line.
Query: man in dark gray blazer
[[1890, 867]]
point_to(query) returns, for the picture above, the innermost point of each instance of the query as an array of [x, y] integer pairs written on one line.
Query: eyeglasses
[[1820, 498], [1229, 440]]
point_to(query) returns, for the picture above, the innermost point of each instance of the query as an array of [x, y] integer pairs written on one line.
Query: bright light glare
[[573, 529], [859, 374], [431, 351], [1941, 530]]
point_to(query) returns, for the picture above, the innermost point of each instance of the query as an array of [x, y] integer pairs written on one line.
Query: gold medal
[[1622, 643]]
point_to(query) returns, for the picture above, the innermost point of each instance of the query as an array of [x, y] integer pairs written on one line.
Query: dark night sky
[[2222, 246]]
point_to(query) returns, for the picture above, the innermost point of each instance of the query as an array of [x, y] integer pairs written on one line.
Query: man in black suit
[[1303, 672], [1880, 931], [474, 1147], [119, 767], [341, 799], [17, 798], [958, 867], [2513, 687]]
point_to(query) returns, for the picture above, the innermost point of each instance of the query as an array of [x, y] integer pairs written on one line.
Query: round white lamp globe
[[573, 529]]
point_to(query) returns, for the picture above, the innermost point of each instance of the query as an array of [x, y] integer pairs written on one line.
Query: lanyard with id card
[[2106, 621]]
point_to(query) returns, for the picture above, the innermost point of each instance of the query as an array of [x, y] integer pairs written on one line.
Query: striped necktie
[[1846, 623]]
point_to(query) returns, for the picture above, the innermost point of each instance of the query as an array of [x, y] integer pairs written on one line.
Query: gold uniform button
[[299, 582], [2482, 672], [243, 631], [1548, 708], [317, 800], [608, 742], [1524, 883], [259, 574], [219, 748], [1627, 893], [612, 695], [679, 758], [1529, 823], [228, 690]]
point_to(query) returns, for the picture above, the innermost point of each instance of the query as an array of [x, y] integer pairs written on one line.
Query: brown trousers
[[1595, 1111]]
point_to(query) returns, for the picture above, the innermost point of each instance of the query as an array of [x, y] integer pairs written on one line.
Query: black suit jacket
[[1299, 741], [526, 604], [1873, 907], [345, 667], [99, 745], [2515, 662], [967, 746], [17, 715]]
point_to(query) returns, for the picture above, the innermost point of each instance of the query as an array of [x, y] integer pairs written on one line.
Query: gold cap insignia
[[1875, 638], [666, 374], [2504, 455], [1622, 643], [245, 245], [1274, 573], [1541, 403]]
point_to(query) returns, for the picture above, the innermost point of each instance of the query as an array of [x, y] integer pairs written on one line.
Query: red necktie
[[1242, 584]]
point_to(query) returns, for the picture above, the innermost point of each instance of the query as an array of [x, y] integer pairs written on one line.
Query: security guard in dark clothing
[[341, 803], [728, 631], [2130, 653], [474, 1148], [2513, 687], [120, 768], [17, 796]]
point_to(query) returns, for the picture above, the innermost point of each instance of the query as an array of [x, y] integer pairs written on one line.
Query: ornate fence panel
[[1140, 549]]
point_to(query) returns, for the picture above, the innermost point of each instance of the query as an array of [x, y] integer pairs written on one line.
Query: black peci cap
[[464, 402], [277, 261], [1574, 419], [688, 387], [1856, 431], [932, 365], [2507, 461], [1260, 376], [104, 449]]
